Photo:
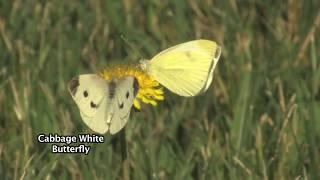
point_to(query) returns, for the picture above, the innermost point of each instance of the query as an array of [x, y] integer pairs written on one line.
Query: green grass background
[[258, 120]]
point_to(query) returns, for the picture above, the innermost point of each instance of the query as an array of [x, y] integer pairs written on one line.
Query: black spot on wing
[[127, 94], [73, 85], [85, 94], [135, 86], [121, 105], [112, 89], [93, 105]]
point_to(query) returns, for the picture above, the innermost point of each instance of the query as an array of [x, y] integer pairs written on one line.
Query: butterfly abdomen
[[112, 89], [135, 86]]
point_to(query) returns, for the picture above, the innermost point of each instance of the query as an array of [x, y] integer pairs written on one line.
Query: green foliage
[[259, 119]]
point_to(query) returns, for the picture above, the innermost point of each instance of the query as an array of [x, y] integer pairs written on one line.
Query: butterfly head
[[144, 65]]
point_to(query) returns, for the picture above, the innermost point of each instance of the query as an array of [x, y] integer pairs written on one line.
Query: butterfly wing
[[89, 92], [125, 92], [98, 122], [186, 69]]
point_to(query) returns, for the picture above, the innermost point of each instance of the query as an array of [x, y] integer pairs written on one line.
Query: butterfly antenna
[[131, 46]]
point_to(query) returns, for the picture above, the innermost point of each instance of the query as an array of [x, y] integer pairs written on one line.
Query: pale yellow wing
[[98, 122], [186, 69], [90, 92]]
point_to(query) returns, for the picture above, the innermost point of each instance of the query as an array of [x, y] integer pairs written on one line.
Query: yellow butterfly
[[185, 69]]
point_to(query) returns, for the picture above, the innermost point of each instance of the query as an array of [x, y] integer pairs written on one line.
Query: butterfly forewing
[[185, 69], [126, 91], [88, 91]]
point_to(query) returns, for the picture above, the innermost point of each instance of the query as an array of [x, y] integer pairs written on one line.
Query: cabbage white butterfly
[[185, 69], [104, 104]]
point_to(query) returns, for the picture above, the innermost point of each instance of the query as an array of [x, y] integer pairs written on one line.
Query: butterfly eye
[[127, 95], [85, 94]]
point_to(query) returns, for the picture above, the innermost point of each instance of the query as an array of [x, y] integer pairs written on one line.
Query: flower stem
[[123, 145]]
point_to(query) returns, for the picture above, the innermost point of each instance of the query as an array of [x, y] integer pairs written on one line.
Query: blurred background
[[258, 120]]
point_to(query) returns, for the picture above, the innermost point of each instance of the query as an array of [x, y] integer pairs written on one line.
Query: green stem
[[123, 145]]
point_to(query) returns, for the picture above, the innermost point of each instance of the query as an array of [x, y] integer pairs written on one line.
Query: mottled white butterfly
[[104, 104]]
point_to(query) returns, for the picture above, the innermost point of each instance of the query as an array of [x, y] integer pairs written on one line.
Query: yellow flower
[[149, 89]]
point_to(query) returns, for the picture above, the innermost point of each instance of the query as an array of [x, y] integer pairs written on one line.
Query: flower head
[[149, 89]]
